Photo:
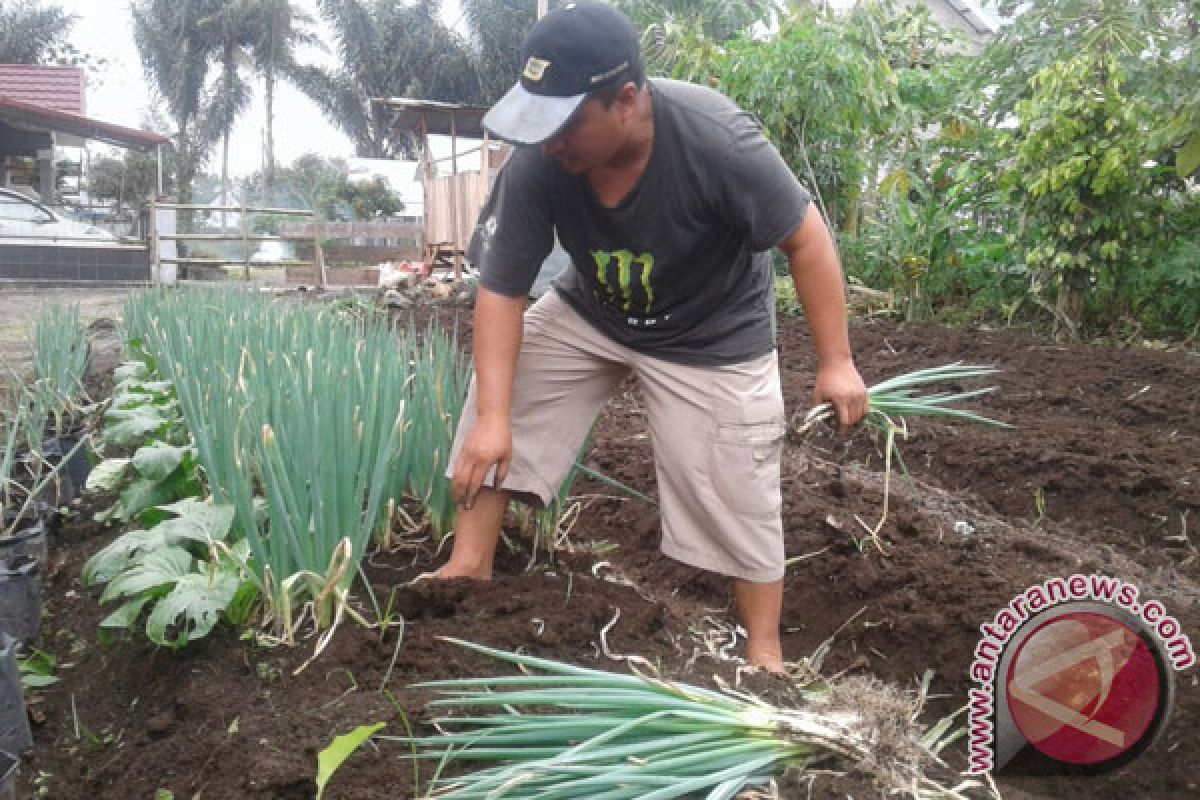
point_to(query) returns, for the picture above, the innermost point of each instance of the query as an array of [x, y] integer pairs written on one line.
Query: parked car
[[25, 218]]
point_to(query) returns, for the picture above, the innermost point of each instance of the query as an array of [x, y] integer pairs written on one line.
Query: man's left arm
[[813, 262]]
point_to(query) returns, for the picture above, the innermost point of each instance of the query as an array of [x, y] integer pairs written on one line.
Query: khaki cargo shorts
[[717, 434]]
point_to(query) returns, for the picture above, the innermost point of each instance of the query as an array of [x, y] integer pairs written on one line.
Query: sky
[[119, 94]]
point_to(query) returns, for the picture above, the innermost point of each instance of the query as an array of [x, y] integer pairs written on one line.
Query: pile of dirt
[[1100, 474]]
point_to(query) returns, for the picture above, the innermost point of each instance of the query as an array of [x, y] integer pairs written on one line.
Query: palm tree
[[498, 29], [276, 30], [227, 33], [386, 50], [673, 29], [30, 34], [176, 55]]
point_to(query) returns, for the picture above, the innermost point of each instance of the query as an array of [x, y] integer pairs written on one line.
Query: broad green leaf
[[131, 370], [341, 748], [108, 475], [133, 424], [145, 493], [1188, 159], [158, 460], [111, 514], [31, 681], [157, 568], [119, 556], [192, 608], [197, 521], [127, 615]]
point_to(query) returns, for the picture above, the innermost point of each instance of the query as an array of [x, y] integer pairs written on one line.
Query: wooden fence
[[164, 238]]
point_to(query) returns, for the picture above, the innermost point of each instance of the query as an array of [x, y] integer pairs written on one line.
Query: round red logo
[[1083, 688]]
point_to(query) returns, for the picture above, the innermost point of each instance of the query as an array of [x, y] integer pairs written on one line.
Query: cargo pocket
[[744, 467]]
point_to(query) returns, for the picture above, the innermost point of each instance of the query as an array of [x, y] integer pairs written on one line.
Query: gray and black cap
[[568, 54]]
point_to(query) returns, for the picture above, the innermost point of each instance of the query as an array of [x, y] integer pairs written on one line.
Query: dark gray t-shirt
[[681, 269]]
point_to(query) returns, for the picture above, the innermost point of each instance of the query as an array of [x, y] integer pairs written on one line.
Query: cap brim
[[522, 117]]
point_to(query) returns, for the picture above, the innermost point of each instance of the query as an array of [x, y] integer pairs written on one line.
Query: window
[[23, 210]]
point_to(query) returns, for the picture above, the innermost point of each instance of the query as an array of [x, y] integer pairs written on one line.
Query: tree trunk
[[224, 175], [269, 171], [1069, 303]]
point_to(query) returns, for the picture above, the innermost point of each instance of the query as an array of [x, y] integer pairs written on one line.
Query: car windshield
[[15, 208]]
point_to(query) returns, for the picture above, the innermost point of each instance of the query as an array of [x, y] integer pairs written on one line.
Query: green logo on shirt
[[620, 292]]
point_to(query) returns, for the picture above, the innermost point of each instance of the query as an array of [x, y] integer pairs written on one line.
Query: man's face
[[592, 138]]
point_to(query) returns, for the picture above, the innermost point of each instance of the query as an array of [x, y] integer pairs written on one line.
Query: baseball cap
[[568, 54]]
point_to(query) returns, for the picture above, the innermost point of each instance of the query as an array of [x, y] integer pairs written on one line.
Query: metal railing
[[244, 235]]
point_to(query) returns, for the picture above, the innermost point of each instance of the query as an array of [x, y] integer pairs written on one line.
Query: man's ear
[[628, 96]]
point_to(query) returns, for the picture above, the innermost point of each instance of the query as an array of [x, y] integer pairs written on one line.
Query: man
[[668, 200]]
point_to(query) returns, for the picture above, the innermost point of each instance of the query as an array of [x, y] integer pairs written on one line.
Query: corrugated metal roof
[[982, 22], [408, 112], [57, 88], [34, 117]]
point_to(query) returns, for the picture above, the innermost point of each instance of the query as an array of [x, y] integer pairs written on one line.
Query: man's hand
[[841, 386], [817, 274], [498, 328], [488, 444]]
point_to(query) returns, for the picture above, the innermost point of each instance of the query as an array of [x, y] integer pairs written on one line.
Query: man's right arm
[[499, 321]]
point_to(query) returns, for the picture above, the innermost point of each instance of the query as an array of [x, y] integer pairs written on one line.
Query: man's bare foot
[[450, 572], [771, 661]]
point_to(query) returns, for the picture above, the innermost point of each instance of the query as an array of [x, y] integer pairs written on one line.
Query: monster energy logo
[[620, 292]]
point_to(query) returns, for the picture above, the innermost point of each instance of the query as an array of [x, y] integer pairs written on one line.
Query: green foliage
[[786, 301], [831, 91], [23, 479], [37, 669], [156, 569], [1141, 34], [1078, 177], [679, 36], [558, 731], [498, 29], [340, 749], [270, 32], [127, 181], [386, 50], [441, 375], [312, 181], [979, 221], [1166, 286], [176, 52], [60, 349], [144, 412], [33, 34], [157, 474], [320, 413]]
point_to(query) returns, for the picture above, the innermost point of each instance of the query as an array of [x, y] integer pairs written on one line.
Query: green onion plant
[[893, 401], [328, 417], [573, 732], [60, 349], [440, 377]]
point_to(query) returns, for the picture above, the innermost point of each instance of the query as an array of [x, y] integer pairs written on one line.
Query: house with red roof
[[43, 109]]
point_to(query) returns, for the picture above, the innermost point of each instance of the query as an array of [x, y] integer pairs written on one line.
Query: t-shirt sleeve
[[761, 195], [515, 230]]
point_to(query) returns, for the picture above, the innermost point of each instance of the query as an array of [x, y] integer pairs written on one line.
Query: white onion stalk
[[583, 733]]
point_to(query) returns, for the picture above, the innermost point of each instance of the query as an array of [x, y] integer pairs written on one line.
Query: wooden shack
[[453, 197]]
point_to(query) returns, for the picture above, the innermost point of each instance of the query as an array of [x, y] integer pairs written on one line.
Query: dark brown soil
[[1109, 440]]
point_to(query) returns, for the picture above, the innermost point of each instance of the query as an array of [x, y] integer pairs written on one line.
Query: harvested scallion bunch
[[897, 398], [583, 733], [891, 402]]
